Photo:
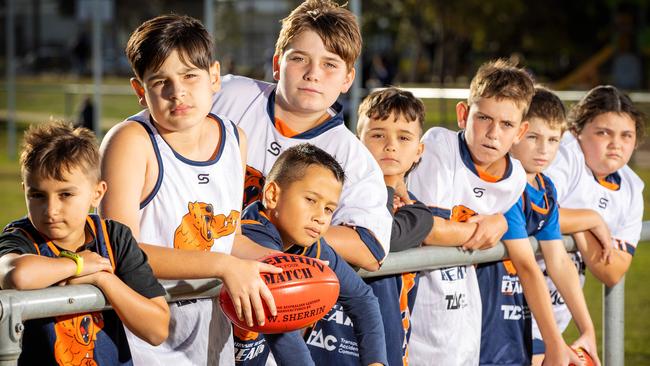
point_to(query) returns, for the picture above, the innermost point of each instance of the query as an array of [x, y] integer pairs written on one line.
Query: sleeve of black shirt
[[411, 225], [131, 262]]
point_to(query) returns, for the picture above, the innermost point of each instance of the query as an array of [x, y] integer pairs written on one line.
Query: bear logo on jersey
[[200, 227], [253, 184], [461, 213], [75, 338]]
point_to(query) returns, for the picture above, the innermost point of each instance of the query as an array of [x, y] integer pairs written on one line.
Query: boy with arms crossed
[[506, 336], [60, 243], [175, 173], [469, 173], [313, 64], [299, 200], [591, 174]]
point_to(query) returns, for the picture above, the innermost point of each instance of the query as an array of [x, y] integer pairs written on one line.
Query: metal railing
[[19, 306]]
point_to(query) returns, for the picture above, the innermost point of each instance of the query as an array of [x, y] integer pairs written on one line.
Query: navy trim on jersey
[[440, 212], [161, 169], [630, 248], [235, 130], [613, 178], [466, 156], [371, 242], [334, 121], [222, 143]]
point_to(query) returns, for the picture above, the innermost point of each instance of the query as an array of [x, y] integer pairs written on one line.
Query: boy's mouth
[[490, 147], [310, 90], [312, 232], [180, 109]]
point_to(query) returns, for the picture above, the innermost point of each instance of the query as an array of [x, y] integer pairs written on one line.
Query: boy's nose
[[311, 74]]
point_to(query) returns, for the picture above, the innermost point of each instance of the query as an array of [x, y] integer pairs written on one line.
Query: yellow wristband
[[76, 258]]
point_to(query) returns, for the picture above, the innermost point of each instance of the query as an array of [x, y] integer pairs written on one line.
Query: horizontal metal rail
[[19, 306]]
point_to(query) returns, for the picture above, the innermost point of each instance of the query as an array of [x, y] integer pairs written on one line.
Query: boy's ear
[[523, 128], [271, 195], [98, 193], [215, 76], [462, 112], [139, 91], [347, 83], [276, 67]]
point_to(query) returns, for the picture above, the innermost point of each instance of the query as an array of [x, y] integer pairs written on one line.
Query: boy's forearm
[[174, 264], [348, 244], [535, 289], [21, 270], [565, 277], [449, 233], [146, 318], [608, 273], [573, 220], [245, 248]]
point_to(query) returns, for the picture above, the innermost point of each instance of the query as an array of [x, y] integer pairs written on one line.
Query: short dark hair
[[293, 162], [154, 40], [548, 107], [604, 99], [51, 149], [502, 79], [334, 24], [381, 103]]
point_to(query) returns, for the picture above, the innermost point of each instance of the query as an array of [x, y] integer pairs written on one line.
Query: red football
[[304, 292], [584, 356]]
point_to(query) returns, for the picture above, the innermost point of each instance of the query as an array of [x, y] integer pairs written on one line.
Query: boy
[[299, 200], [390, 126], [506, 337], [466, 173], [181, 193], [60, 243], [313, 63]]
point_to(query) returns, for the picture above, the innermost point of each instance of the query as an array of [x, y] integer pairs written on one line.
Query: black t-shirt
[[131, 266], [411, 223]]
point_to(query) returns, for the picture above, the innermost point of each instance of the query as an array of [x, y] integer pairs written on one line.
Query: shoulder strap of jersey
[[102, 239]]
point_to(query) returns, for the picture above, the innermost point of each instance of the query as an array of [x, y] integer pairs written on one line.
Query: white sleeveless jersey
[[446, 319], [621, 209], [250, 104], [196, 206]]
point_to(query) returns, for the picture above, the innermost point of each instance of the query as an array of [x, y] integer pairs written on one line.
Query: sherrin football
[[584, 356], [304, 292]]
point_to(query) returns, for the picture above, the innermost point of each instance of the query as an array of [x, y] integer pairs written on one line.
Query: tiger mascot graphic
[[461, 213], [75, 338], [200, 227], [253, 184]]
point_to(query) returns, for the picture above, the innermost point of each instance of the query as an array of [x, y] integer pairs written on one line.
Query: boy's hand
[[490, 228], [561, 356], [94, 262], [247, 289], [94, 278], [588, 343], [601, 232]]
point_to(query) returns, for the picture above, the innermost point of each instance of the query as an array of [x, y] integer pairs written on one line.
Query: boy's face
[[537, 149], [608, 142], [491, 127], [58, 209], [395, 144], [302, 212], [178, 95], [310, 78]]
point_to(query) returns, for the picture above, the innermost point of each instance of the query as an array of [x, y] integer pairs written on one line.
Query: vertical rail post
[[614, 324]]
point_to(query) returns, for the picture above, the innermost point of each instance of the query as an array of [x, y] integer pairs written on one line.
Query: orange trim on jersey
[[250, 222], [284, 129], [608, 185], [487, 176], [38, 250], [107, 239], [510, 267], [541, 210]]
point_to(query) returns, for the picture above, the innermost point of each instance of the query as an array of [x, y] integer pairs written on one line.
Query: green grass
[[45, 98]]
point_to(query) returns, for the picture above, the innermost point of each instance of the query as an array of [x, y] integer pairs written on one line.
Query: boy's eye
[[330, 65], [310, 200], [329, 210], [377, 135], [158, 83], [66, 195], [405, 138], [296, 58], [190, 76], [508, 124]]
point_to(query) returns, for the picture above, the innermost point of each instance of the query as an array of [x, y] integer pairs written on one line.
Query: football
[[304, 292], [584, 356]]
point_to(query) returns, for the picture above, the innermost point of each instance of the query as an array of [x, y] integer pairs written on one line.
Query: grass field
[[40, 105]]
